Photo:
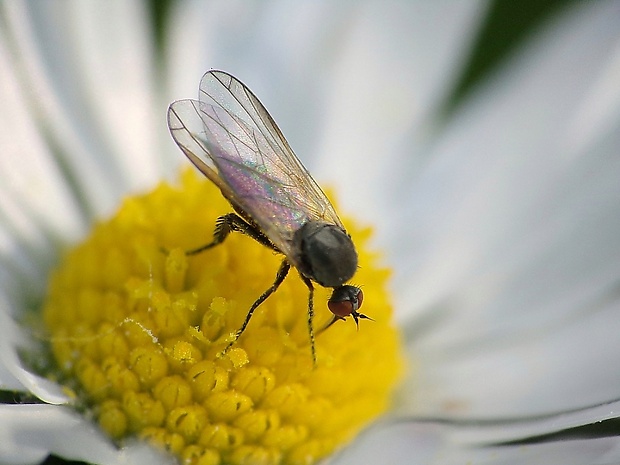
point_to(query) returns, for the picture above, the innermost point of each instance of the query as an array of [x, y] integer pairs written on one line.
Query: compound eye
[[345, 300], [341, 309]]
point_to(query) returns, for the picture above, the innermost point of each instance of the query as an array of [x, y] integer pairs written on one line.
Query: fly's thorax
[[326, 253]]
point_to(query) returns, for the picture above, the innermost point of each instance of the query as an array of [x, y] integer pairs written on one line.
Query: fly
[[231, 138]]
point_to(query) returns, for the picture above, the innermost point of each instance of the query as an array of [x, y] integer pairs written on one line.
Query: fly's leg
[[334, 319], [282, 272], [356, 317], [232, 222], [310, 316], [228, 223]]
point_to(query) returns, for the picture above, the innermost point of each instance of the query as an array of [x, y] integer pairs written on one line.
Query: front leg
[[310, 286]]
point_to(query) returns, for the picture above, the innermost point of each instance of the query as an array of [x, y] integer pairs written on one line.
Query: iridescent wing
[[232, 139]]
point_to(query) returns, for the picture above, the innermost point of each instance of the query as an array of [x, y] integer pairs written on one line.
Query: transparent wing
[[232, 139]]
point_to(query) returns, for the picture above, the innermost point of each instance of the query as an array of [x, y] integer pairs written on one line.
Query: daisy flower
[[499, 220]]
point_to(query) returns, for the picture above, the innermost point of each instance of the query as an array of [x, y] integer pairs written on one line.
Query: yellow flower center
[[138, 328]]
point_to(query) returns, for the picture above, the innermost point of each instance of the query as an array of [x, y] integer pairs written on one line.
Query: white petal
[[395, 444], [28, 433], [114, 49], [35, 200], [86, 70], [36, 208], [13, 374], [392, 68], [515, 236], [412, 443], [565, 425]]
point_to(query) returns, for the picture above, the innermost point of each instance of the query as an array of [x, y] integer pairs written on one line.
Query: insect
[[231, 138]]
